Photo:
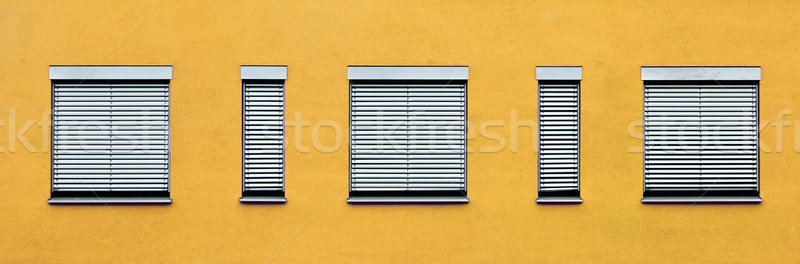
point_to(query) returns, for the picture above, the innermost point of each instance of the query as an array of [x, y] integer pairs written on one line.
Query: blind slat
[[407, 137], [110, 137], [263, 137], [700, 137], [558, 135]]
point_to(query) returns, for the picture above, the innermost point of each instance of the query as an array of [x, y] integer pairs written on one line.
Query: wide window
[[701, 134], [263, 134], [408, 134], [110, 137], [559, 134]]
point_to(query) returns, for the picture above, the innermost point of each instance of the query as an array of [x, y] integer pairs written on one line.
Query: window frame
[[700, 75], [256, 74], [559, 74], [389, 74], [109, 73]]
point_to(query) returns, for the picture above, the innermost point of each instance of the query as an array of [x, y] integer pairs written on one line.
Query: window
[[110, 137], [559, 134], [701, 134], [263, 134], [408, 134]]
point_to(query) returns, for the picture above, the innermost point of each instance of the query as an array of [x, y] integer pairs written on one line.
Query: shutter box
[[407, 134], [263, 148], [701, 134], [110, 135], [559, 135]]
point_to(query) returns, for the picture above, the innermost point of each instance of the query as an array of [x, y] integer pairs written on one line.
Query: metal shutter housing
[[263, 134], [110, 134], [559, 134], [701, 134], [408, 134]]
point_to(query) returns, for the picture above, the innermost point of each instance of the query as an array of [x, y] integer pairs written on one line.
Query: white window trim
[[652, 73], [559, 200], [109, 72], [110, 200], [407, 199], [559, 73], [265, 72], [701, 199], [407, 73]]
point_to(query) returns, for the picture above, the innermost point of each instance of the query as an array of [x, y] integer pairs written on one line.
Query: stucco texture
[[500, 41]]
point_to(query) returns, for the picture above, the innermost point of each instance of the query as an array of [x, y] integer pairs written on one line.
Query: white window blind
[[263, 134], [263, 140], [407, 139], [110, 140], [559, 124], [700, 136]]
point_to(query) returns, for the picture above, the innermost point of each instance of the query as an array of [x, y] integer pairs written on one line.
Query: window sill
[[110, 201], [702, 199], [262, 200], [408, 200], [559, 200]]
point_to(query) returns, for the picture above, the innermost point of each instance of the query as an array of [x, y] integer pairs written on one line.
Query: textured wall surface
[[501, 42]]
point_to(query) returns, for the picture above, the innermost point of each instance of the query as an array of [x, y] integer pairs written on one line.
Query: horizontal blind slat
[[700, 137], [558, 167], [407, 137], [110, 136], [263, 137]]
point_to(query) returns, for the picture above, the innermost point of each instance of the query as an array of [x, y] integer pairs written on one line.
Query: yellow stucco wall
[[500, 41]]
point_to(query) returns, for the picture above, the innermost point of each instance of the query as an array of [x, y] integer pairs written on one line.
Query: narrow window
[[701, 134], [559, 134], [408, 134], [263, 134], [110, 134]]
